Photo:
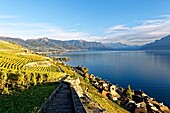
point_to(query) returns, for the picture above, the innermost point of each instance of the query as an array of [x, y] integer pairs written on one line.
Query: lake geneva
[[143, 70]]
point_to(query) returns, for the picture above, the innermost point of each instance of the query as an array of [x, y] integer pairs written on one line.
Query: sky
[[133, 22]]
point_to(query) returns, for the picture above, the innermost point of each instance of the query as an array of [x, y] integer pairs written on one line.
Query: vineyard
[[27, 79], [20, 69]]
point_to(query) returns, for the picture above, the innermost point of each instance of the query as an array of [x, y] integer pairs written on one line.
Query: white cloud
[[39, 30], [116, 28], [147, 31]]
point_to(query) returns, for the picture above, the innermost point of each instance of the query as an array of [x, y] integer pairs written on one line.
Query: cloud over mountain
[[145, 32]]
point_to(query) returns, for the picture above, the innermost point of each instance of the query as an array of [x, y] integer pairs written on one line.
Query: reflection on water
[[145, 70]]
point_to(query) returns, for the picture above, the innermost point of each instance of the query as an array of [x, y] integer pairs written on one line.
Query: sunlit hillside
[[27, 79], [21, 69], [10, 47]]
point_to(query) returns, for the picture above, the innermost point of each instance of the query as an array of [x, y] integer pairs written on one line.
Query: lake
[[143, 70]]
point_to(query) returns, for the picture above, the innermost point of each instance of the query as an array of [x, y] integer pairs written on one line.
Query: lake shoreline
[[132, 100], [145, 70]]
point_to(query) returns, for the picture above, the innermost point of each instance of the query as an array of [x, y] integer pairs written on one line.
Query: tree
[[129, 92], [21, 79], [86, 79], [3, 79], [40, 78], [5, 90]]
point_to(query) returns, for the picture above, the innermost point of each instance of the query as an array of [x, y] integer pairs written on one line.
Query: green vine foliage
[[15, 75]]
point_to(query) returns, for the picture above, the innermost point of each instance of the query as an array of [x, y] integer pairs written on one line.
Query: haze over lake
[[145, 70]]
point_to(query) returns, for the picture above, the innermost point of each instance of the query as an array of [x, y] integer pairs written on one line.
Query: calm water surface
[[145, 70]]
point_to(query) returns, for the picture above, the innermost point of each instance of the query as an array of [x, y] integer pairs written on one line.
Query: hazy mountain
[[15, 40], [46, 44], [162, 44], [56, 44], [119, 46], [81, 44]]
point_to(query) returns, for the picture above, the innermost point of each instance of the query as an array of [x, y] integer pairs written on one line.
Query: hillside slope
[[19, 68], [162, 44], [6, 46]]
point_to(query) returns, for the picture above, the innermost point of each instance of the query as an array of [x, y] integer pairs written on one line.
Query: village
[[135, 101]]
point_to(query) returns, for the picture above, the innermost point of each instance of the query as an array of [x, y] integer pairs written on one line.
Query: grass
[[110, 106], [27, 101], [105, 103]]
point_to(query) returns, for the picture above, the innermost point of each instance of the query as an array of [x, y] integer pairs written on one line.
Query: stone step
[[60, 111], [64, 91], [62, 96], [60, 107], [61, 101]]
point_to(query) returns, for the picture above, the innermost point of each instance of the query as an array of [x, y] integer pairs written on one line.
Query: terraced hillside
[[19, 68], [11, 47], [26, 79]]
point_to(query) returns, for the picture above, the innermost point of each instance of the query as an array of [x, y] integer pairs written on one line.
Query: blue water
[[145, 70]]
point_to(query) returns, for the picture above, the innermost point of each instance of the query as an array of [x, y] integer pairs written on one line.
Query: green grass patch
[[95, 96], [27, 101]]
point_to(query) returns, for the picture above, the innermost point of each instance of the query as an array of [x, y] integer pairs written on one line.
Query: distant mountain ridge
[[46, 44], [162, 44], [121, 46]]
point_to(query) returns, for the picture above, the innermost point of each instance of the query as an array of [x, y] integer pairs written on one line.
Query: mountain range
[[46, 45]]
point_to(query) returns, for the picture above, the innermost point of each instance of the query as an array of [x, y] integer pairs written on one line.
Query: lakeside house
[[140, 102]]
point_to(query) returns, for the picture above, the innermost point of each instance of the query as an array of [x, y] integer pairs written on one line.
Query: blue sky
[[127, 21]]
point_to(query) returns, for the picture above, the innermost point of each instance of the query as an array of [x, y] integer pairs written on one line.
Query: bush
[[129, 92]]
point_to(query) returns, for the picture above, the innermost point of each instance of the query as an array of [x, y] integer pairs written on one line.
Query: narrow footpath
[[63, 100], [62, 103]]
